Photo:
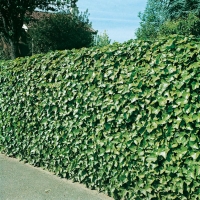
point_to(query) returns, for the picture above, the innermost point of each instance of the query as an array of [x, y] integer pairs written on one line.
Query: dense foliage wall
[[123, 119]]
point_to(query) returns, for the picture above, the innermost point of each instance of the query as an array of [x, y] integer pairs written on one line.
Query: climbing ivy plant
[[123, 119]]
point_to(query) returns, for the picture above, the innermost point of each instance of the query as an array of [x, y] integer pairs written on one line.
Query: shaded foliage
[[12, 16], [60, 31]]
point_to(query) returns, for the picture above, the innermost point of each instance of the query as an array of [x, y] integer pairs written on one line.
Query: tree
[[182, 8], [59, 31], [102, 40], [189, 25], [12, 16], [168, 16], [152, 18]]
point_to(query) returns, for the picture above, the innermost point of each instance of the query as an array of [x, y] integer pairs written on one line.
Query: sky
[[119, 18]]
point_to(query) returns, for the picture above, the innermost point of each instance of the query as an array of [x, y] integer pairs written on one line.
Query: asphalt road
[[20, 181]]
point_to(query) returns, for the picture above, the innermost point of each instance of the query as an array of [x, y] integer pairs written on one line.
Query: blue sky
[[118, 17]]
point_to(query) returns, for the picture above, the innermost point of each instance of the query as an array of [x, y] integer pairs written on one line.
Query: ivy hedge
[[123, 119]]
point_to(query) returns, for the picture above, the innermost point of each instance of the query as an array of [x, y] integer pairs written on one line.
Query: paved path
[[19, 181]]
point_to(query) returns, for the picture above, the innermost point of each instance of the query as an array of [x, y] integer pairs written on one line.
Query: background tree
[[102, 40], [182, 8], [60, 31], [189, 25], [167, 17], [12, 15], [154, 15]]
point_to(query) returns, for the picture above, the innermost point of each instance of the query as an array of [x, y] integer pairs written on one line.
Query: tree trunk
[[14, 49], [5, 46], [11, 33]]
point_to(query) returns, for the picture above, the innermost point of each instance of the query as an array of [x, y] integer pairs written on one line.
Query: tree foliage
[[102, 39], [12, 16], [151, 19], [182, 8], [182, 26], [169, 16], [60, 31]]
